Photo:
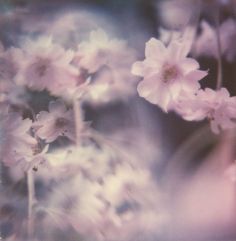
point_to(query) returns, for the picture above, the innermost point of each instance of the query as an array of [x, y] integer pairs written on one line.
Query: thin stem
[[77, 116], [219, 50], [31, 195]]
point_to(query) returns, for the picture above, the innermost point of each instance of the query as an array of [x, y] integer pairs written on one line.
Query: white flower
[[108, 62], [98, 51], [10, 93], [46, 66], [57, 122], [167, 72], [17, 144]]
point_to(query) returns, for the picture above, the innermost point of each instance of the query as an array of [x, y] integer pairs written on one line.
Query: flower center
[[169, 72], [61, 122], [211, 115], [42, 66]]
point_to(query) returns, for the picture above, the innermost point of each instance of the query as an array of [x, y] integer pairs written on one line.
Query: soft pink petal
[[174, 50], [138, 68], [154, 49], [196, 75], [188, 65]]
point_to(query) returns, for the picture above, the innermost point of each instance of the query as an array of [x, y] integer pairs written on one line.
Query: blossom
[[46, 66], [16, 142], [166, 35], [57, 122], [8, 63], [175, 14], [98, 51], [107, 62], [217, 106], [9, 91], [166, 72]]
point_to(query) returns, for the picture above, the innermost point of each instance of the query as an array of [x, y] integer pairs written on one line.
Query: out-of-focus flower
[[217, 106], [9, 92], [108, 61], [17, 144], [166, 36], [206, 42], [175, 14], [57, 122], [98, 51], [167, 72], [107, 194], [8, 63], [68, 27], [46, 66]]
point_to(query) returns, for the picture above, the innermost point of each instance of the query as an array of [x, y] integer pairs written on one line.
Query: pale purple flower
[[175, 14], [17, 144], [108, 62], [9, 63], [98, 51], [58, 121], [47, 66], [10, 93], [167, 72], [217, 106]]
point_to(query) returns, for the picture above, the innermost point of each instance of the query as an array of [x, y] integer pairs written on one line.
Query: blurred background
[[187, 161]]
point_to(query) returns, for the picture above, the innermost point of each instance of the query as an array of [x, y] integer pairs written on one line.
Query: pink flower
[[98, 51], [108, 62], [9, 92], [8, 63], [217, 106], [16, 142], [46, 66], [167, 72], [57, 122]]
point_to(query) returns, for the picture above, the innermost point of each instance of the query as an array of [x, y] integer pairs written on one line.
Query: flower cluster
[[108, 62], [107, 197], [171, 81], [17, 144]]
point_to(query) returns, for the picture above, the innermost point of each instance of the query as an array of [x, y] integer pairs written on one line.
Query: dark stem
[[219, 50]]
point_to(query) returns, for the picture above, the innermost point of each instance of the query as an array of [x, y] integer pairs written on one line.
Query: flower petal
[[154, 49]]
